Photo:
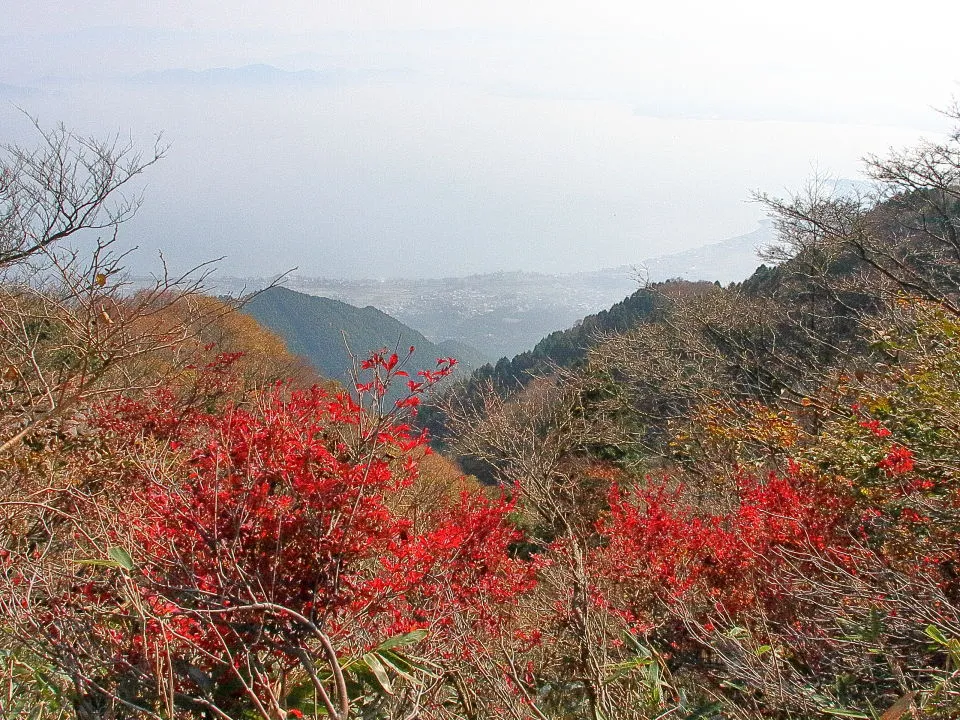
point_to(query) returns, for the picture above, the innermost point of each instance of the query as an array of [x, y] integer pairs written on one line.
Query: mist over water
[[393, 152]]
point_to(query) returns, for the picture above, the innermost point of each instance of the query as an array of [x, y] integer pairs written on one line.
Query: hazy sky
[[445, 137]]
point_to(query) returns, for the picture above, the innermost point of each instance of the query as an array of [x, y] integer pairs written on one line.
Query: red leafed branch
[[268, 545]]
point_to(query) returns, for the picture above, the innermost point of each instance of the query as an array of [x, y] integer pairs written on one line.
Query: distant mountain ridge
[[319, 329], [498, 314], [257, 74], [733, 260], [504, 314], [568, 348], [727, 261], [16, 90]]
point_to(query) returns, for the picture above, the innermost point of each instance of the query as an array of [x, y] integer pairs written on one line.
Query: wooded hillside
[[709, 502]]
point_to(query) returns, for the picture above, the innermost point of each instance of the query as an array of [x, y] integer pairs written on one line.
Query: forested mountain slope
[[762, 480], [567, 348], [326, 332], [727, 503]]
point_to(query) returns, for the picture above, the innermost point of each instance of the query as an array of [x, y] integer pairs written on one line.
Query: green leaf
[[48, 682], [98, 563], [653, 682], [843, 712], [936, 634], [734, 684], [379, 672], [641, 649], [118, 558], [410, 638], [388, 659], [628, 665], [737, 633], [421, 665], [121, 557]]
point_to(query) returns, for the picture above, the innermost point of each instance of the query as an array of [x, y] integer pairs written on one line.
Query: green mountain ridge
[[568, 348], [329, 333]]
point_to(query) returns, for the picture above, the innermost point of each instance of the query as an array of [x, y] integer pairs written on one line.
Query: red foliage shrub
[[274, 522], [661, 550]]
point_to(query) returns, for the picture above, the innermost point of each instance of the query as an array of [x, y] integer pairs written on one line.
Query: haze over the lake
[[369, 138]]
